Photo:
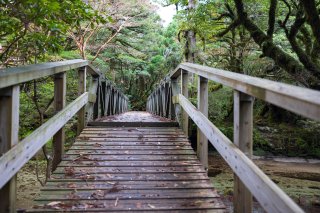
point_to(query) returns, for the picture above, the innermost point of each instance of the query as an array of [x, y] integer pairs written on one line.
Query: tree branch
[[272, 17]]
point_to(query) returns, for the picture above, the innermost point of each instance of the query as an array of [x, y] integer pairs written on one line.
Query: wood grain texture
[[299, 100], [17, 75], [129, 175], [269, 195], [12, 161], [9, 129]]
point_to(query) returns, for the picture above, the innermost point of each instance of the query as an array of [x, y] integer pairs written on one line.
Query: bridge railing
[[249, 180], [102, 98]]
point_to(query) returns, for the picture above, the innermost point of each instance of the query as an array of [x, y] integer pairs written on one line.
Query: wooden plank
[[60, 91], [18, 75], [128, 194], [129, 177], [101, 147], [138, 129], [130, 170], [299, 100], [185, 93], [82, 82], [269, 195], [159, 140], [12, 161], [9, 129], [131, 152], [115, 163], [147, 204], [132, 132], [139, 136], [102, 185], [129, 143], [202, 141], [243, 129], [130, 157], [133, 124]]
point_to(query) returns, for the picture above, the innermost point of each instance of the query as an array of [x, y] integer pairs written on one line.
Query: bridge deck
[[130, 168]]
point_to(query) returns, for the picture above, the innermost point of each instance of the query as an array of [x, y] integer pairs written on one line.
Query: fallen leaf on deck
[[72, 185], [54, 203], [116, 203], [69, 171], [151, 206]]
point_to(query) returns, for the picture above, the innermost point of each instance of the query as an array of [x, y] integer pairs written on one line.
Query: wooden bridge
[[139, 161]]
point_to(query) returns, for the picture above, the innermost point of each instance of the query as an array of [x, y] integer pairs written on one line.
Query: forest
[[277, 40]]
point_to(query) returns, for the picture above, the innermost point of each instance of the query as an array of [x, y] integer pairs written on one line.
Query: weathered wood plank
[[133, 124], [130, 170], [114, 163], [142, 205], [60, 91], [242, 138], [269, 195], [130, 177], [81, 185], [202, 141], [185, 93], [82, 82], [131, 152], [17, 75], [9, 129], [95, 157], [128, 144], [13, 160], [97, 146], [299, 100], [128, 194]]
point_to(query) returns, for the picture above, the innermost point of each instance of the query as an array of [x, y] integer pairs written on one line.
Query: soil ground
[[300, 180]]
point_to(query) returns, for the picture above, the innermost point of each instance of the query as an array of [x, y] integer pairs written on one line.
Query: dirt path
[[301, 181]]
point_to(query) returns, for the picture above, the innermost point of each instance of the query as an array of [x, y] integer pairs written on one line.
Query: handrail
[[16, 75], [249, 179], [13, 160], [102, 99], [268, 194], [299, 100]]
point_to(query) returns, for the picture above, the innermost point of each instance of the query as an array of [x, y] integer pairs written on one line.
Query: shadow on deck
[[134, 161]]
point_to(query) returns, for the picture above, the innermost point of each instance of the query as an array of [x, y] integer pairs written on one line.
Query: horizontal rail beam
[[12, 161], [93, 71], [17, 75], [299, 100], [269, 195]]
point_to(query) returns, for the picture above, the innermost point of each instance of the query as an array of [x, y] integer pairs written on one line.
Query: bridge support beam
[[60, 90], [185, 93], [82, 73], [202, 141], [9, 128], [243, 127]]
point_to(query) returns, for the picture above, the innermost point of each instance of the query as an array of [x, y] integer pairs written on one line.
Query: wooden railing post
[[202, 141], [59, 104], [176, 110], [82, 73], [96, 108], [243, 126], [185, 93], [9, 128]]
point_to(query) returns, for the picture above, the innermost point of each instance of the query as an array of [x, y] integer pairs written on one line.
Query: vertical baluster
[[243, 125], [60, 91]]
